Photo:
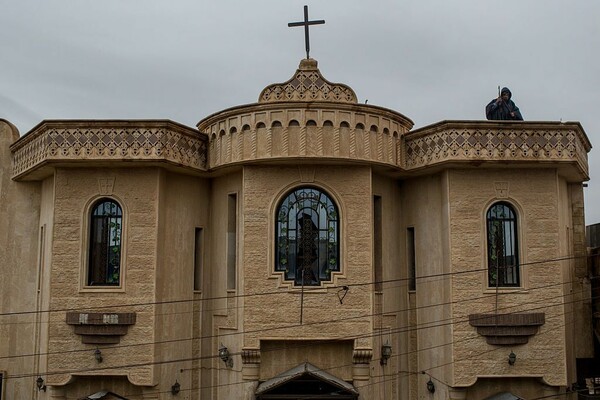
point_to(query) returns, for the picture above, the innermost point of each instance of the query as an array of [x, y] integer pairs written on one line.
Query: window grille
[[106, 226], [307, 237], [502, 246]]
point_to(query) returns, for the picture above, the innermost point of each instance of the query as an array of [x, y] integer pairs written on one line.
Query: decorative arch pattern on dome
[[308, 84]]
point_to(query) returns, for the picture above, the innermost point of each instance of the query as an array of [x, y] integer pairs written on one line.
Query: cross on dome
[[306, 23]]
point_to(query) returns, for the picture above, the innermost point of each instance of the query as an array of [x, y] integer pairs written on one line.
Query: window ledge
[[324, 286], [310, 289], [506, 290], [102, 289]]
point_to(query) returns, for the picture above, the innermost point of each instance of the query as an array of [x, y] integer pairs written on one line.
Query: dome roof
[[308, 84]]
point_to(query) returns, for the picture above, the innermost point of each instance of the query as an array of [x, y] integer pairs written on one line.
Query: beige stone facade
[[199, 267]]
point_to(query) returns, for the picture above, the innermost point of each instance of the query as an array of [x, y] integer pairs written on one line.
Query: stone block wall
[[534, 193], [277, 316], [74, 192]]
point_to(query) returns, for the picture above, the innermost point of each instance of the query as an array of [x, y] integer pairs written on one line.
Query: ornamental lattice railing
[[72, 141]]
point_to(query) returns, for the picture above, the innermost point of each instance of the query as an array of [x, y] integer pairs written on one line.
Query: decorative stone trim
[[470, 143], [100, 328], [507, 329], [346, 136], [307, 174], [501, 189], [251, 356], [362, 356], [106, 186], [68, 141], [451, 141], [308, 84]]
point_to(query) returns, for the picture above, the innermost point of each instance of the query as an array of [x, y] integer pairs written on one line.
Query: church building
[[306, 246]]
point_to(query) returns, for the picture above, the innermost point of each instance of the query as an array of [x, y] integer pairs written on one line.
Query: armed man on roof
[[503, 108]]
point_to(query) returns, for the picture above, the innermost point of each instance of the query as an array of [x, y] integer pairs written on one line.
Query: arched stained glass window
[[502, 246], [307, 237], [104, 264]]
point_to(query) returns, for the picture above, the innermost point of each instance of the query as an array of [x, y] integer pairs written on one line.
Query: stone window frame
[[86, 246], [277, 269], [517, 244]]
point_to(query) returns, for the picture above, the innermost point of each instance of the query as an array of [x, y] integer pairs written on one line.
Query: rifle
[[503, 104]]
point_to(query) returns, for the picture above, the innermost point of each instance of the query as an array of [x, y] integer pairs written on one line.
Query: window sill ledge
[[505, 290], [102, 289]]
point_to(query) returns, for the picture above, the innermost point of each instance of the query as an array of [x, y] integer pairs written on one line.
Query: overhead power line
[[275, 292], [350, 337], [387, 377], [295, 325]]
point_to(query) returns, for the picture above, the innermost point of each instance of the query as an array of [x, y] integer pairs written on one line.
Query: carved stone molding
[[340, 133], [106, 186], [452, 141], [308, 84], [69, 141], [307, 174], [507, 329], [250, 356], [362, 356], [100, 328], [501, 189]]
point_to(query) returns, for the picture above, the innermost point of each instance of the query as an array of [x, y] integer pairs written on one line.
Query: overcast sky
[[430, 60]]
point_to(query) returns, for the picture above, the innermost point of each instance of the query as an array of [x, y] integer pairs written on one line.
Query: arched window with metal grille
[[106, 227], [502, 246], [307, 236]]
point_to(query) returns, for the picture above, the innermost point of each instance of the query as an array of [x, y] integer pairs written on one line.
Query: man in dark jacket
[[503, 107]]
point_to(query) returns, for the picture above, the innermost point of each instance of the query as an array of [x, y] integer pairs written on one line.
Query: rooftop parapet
[[61, 142], [499, 142]]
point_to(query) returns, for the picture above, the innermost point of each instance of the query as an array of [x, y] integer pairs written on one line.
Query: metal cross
[[306, 23]]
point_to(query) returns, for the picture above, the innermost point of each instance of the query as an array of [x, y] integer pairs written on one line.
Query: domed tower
[[306, 171], [306, 117]]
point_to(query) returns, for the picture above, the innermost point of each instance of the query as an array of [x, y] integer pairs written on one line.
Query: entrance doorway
[[306, 381]]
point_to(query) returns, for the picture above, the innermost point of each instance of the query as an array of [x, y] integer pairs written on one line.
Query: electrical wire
[[388, 312], [392, 376], [278, 292], [270, 329], [399, 330]]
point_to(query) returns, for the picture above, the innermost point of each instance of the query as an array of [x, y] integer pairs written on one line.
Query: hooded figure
[[503, 107]]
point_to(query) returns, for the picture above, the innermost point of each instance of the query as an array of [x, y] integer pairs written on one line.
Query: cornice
[[300, 105]]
